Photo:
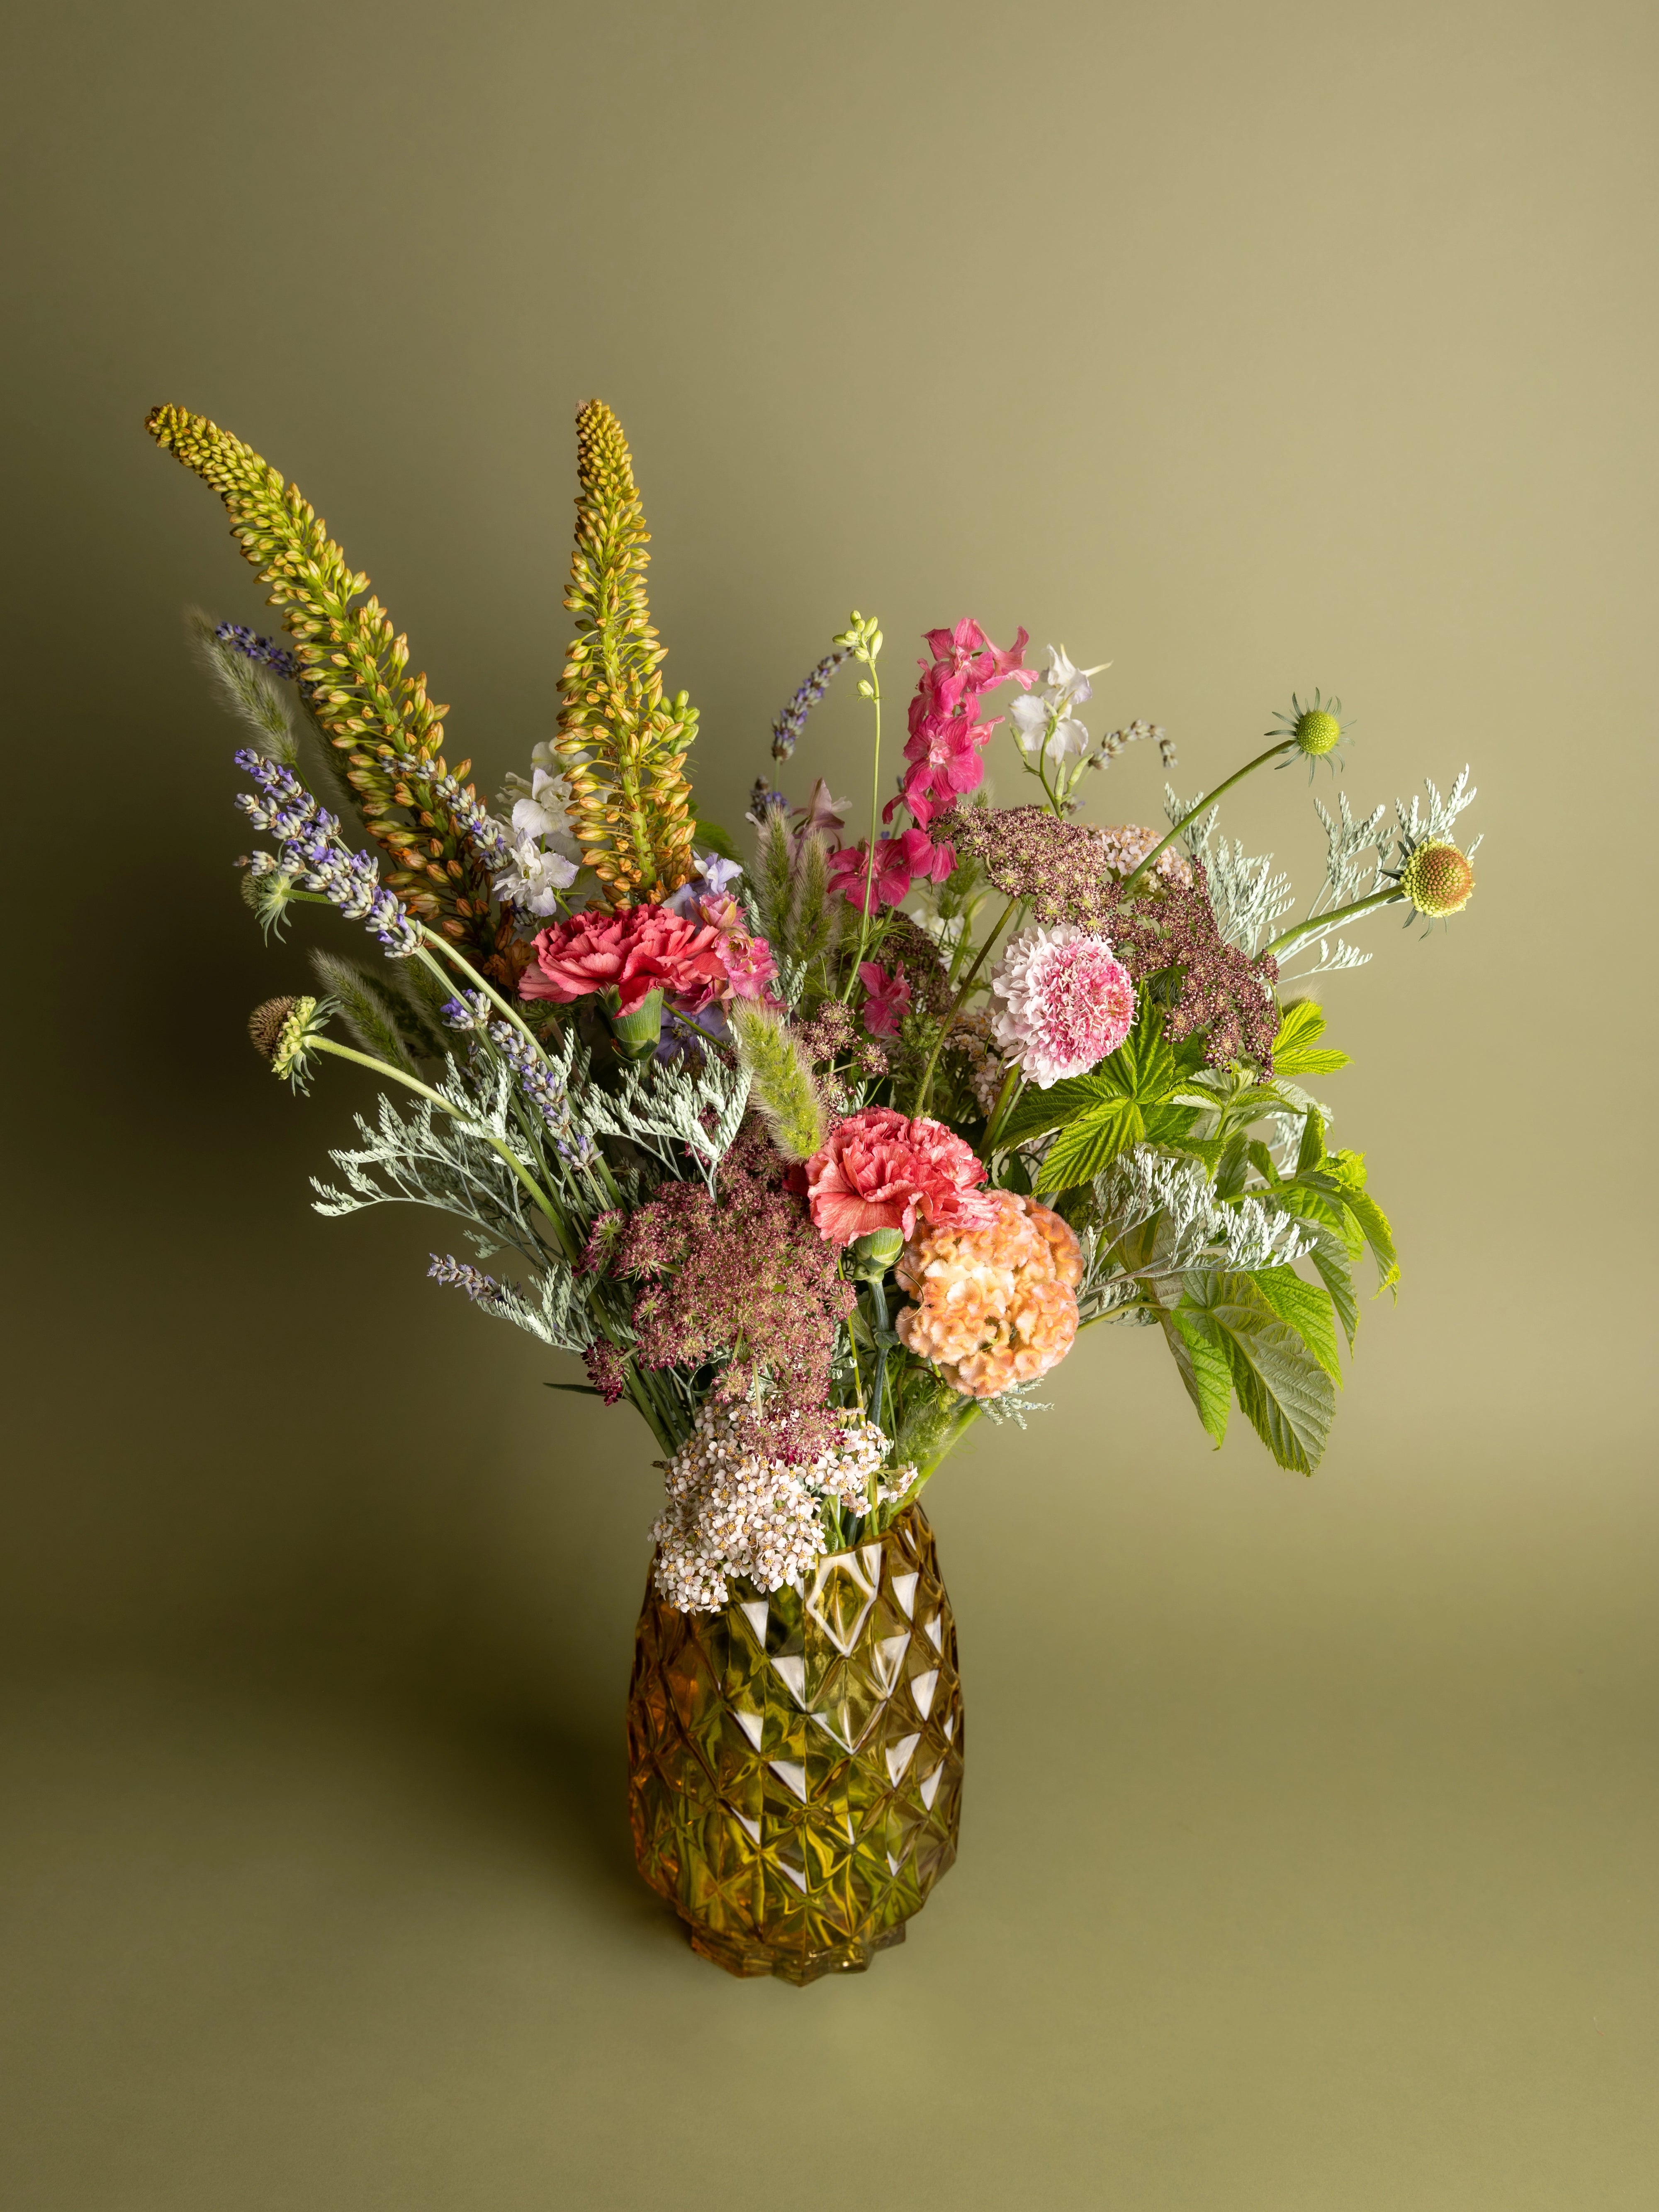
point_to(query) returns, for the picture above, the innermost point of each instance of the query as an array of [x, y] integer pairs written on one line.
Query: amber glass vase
[[796, 1759]]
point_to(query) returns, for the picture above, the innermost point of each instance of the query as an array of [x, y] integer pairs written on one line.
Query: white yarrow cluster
[[732, 1510]]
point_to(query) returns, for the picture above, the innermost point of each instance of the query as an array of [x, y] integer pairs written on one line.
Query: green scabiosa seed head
[[282, 1031], [267, 888], [1437, 878], [1315, 729]]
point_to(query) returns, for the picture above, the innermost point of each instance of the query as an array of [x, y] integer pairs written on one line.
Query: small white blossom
[[545, 857]]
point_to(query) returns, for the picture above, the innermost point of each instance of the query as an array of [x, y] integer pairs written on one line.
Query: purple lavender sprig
[[483, 1290], [264, 651], [785, 731], [315, 853], [480, 824], [546, 1092], [541, 1085]]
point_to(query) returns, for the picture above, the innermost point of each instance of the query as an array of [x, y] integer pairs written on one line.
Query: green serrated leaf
[[1232, 1170], [1295, 1051], [1208, 1149], [1262, 1160], [1311, 1151], [1308, 1311], [1317, 1199], [1168, 1125], [1334, 1272], [1088, 1147], [1286, 1395], [1378, 1235], [1347, 1171], [1039, 1111], [1205, 1365]]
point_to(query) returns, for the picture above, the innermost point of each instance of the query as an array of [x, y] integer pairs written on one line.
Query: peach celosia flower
[[994, 1306]]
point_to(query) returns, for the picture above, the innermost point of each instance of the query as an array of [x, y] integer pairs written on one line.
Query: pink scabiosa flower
[[879, 1170], [886, 998], [634, 952], [1066, 1003], [995, 1302]]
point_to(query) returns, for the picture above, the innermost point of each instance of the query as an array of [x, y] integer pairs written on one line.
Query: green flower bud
[[1315, 729], [637, 1033], [873, 1254]]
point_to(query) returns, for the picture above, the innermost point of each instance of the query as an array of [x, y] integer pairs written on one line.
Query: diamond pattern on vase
[[841, 1593], [796, 1807]]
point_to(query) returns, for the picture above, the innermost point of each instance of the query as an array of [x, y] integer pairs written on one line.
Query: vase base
[[746, 1957]]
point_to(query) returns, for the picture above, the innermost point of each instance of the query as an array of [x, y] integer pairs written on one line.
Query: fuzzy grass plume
[[780, 1079], [623, 744], [354, 668]]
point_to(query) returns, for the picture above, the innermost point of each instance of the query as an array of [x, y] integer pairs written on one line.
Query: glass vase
[[795, 1759]]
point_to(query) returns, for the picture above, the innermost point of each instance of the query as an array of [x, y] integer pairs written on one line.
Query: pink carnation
[[641, 949], [880, 1170], [1067, 1002]]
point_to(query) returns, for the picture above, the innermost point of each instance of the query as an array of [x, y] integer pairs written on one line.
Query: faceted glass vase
[[795, 1759]]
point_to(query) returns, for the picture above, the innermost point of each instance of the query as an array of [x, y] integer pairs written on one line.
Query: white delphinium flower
[[545, 857], [1042, 719]]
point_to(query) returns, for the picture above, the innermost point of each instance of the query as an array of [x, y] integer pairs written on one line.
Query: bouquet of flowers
[[816, 1146]]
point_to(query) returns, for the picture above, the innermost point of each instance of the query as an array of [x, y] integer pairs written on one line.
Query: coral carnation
[[1067, 1002], [995, 1303], [641, 949], [882, 1170]]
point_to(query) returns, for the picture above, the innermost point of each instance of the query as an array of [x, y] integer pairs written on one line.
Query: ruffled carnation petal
[[880, 1169], [1067, 1003]]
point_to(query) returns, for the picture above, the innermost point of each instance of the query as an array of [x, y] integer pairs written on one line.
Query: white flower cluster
[[734, 1509], [544, 856]]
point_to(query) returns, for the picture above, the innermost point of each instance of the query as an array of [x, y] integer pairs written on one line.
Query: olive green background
[[1309, 1843]]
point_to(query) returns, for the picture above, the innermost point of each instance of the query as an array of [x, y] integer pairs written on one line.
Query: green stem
[[870, 855], [1208, 800], [413, 1083], [1000, 1111], [878, 1300], [1321, 923], [433, 936], [925, 1087], [959, 1428]]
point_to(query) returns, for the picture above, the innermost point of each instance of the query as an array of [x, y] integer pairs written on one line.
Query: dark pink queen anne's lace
[[744, 1277]]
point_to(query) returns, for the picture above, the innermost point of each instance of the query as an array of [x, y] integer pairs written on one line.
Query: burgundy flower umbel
[[745, 1277]]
